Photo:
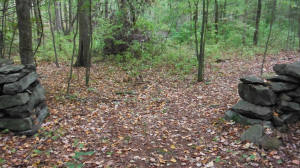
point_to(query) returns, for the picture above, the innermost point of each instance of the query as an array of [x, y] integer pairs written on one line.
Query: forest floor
[[155, 120]]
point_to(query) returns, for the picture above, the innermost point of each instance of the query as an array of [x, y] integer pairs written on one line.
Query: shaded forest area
[[146, 83]]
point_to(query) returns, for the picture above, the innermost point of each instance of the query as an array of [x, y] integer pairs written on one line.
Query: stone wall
[[273, 102], [22, 99]]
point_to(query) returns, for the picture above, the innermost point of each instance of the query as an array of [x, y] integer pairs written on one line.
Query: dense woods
[[142, 33], [146, 83]]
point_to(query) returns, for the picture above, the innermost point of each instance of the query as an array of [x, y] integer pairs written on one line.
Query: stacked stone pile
[[272, 102], [22, 99]]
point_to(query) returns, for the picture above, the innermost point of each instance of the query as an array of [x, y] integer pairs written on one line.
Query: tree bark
[[299, 29], [25, 31], [84, 33], [216, 18], [53, 36], [257, 21], [57, 15], [245, 18], [202, 43], [106, 9]]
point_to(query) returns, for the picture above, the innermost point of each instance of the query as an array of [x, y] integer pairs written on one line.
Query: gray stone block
[[7, 69], [288, 69], [257, 94], [282, 87], [7, 101], [16, 124], [252, 79], [283, 78], [253, 111], [21, 85]]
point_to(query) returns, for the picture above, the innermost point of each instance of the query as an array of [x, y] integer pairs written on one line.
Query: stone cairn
[[272, 103], [22, 99]]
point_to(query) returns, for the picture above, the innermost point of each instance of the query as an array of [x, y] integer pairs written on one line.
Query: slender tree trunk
[[37, 19], [53, 35], [12, 41], [1, 44], [88, 69], [66, 17], [245, 23], [106, 9], [202, 46], [3, 29], [72, 59], [25, 31], [269, 35], [57, 15], [70, 16], [216, 18], [61, 17], [195, 19], [84, 33], [257, 21], [299, 30]]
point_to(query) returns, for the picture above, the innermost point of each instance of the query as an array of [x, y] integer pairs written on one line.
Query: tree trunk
[[25, 31], [245, 18], [61, 17], [57, 15], [216, 18], [38, 22], [257, 21], [299, 30], [1, 44], [3, 29], [84, 33], [66, 17], [202, 44], [53, 36], [106, 9], [70, 16]]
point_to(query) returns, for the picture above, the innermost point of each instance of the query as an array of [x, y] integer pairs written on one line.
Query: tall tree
[[84, 21], [25, 32], [202, 42], [216, 17], [58, 21], [257, 21]]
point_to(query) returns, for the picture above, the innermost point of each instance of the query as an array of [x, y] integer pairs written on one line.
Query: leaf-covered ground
[[154, 120]]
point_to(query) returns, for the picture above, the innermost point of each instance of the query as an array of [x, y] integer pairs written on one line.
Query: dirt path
[[153, 121]]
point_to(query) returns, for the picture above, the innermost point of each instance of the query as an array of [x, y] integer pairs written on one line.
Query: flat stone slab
[[7, 101], [283, 78], [257, 94], [290, 106], [252, 79], [7, 69], [19, 111], [288, 69], [253, 111], [21, 85], [16, 124], [290, 118], [231, 115], [13, 77], [282, 87], [294, 93]]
